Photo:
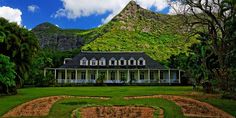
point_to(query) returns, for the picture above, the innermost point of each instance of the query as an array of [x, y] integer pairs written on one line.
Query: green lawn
[[61, 109]]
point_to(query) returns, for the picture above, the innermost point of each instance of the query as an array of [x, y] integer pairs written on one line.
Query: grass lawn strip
[[40, 106], [191, 107]]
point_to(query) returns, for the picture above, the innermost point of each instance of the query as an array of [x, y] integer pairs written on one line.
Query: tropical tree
[[20, 45], [214, 22], [7, 75]]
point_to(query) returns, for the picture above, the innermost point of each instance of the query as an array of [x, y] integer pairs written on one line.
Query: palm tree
[[20, 45]]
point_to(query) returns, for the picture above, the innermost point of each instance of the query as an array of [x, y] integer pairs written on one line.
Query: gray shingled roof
[[75, 62]]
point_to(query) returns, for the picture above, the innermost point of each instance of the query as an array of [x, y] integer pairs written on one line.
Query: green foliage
[[214, 57], [160, 42], [41, 61], [159, 35], [100, 79], [20, 45], [7, 74]]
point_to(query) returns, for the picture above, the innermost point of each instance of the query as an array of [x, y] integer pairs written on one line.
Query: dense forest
[[200, 43]]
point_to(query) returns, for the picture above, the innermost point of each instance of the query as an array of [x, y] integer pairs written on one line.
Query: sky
[[71, 14]]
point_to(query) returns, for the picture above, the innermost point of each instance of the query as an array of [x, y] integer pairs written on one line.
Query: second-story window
[[132, 61], [84, 61], [112, 62], [141, 61], [122, 61], [102, 61], [93, 62]]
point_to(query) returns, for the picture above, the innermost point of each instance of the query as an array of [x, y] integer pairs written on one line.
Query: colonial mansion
[[113, 67]]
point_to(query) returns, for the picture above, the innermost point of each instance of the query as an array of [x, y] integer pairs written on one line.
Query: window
[[102, 61], [122, 61], [92, 76], [132, 76], [142, 76], [132, 61], [113, 75], [141, 61], [112, 61], [63, 75], [84, 61], [122, 76], [72, 75], [83, 75], [151, 75], [93, 62]]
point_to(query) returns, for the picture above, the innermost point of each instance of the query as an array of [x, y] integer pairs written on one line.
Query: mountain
[[134, 29]]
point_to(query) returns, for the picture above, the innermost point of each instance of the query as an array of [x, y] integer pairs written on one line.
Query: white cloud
[[73, 9], [158, 4], [33, 8], [57, 25], [11, 14]]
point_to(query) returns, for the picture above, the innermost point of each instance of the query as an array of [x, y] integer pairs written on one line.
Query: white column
[[76, 76], [128, 79], [96, 75], [159, 76], [138, 76], [179, 77], [86, 75], [55, 75], [107, 75], [149, 76], [169, 75], [118, 77], [65, 76], [44, 72]]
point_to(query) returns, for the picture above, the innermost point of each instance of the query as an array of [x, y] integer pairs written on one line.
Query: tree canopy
[[8, 74], [214, 23], [20, 45]]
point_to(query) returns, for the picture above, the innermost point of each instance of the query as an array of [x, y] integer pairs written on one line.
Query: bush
[[7, 76]]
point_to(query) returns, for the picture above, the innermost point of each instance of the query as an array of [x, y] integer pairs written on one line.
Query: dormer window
[[66, 60], [141, 61], [102, 61], [112, 61], [132, 61], [122, 61], [84, 61], [93, 62]]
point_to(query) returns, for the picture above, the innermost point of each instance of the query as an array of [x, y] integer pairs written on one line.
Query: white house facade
[[113, 67]]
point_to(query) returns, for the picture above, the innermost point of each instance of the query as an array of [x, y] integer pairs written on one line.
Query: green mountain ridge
[[134, 29]]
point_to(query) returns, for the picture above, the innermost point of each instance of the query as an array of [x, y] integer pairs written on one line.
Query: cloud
[[32, 8], [73, 9], [11, 14], [158, 4], [57, 25]]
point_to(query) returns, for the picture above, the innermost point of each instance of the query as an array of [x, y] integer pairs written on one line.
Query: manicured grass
[[116, 94], [65, 107], [27, 94], [227, 105]]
